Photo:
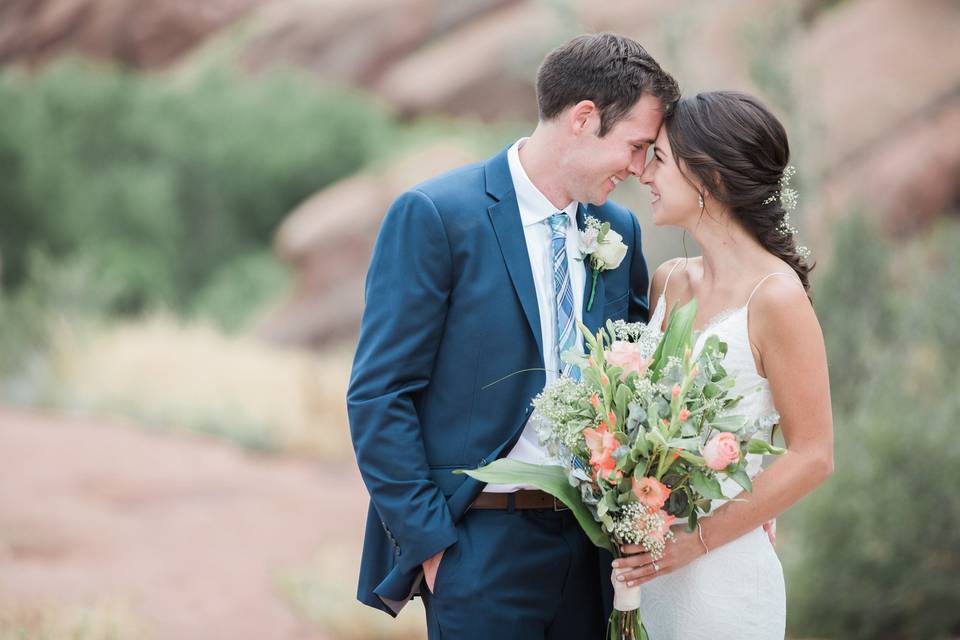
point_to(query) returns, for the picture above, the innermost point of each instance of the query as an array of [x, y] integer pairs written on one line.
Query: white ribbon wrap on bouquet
[[624, 598]]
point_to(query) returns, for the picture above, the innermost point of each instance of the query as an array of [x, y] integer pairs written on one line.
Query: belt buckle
[[559, 506]]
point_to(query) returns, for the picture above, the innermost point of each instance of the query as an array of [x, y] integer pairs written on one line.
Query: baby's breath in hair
[[788, 200], [788, 197]]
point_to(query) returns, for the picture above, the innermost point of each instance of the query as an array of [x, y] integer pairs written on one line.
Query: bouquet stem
[[626, 625]]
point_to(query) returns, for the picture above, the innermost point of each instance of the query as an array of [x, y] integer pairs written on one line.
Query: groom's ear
[[582, 116]]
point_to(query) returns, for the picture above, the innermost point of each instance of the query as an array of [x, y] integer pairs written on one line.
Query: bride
[[719, 173]]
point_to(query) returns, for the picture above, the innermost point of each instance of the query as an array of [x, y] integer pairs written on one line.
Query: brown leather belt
[[522, 499]]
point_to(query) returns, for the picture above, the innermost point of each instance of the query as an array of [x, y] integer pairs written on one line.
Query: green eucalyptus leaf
[[705, 486], [741, 478], [690, 444], [731, 424]]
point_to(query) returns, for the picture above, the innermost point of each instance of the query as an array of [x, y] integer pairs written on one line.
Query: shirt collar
[[534, 206]]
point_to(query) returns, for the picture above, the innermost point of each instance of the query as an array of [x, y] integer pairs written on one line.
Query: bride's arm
[[785, 331]]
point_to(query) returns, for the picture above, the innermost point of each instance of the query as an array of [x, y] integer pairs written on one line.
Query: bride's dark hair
[[731, 143]]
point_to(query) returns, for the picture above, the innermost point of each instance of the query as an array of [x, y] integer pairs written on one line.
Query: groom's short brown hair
[[611, 70]]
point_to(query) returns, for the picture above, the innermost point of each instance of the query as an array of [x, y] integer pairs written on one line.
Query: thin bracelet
[[706, 549]]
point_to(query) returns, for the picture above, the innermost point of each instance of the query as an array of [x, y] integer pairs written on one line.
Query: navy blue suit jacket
[[451, 309]]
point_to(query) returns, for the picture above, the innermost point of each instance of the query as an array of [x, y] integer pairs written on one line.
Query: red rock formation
[[328, 240], [878, 99], [354, 41], [137, 33]]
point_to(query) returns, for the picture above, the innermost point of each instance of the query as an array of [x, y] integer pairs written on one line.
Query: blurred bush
[[875, 552], [158, 181]]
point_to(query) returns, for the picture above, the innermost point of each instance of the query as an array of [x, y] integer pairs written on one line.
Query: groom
[[473, 291]]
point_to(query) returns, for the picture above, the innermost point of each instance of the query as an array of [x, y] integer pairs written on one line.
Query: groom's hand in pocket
[[430, 566]]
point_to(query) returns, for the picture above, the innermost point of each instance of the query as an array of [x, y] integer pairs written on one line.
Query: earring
[[700, 201]]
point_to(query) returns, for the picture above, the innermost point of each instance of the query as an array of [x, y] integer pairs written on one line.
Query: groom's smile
[[622, 151]]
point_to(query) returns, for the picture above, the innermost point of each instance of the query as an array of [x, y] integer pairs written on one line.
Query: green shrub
[[240, 289], [160, 180], [878, 546]]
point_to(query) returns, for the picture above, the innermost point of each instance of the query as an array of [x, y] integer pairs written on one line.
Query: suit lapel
[[505, 218], [593, 318]]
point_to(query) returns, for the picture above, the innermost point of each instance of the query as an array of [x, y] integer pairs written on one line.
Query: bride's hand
[[682, 551]]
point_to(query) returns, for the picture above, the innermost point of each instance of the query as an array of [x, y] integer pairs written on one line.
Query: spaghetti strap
[[659, 311], [762, 280], [667, 281]]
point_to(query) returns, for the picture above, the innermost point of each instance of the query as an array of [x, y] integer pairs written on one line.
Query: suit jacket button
[[483, 461]]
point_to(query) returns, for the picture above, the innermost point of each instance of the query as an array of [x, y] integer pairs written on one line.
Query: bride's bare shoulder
[[780, 308], [678, 272]]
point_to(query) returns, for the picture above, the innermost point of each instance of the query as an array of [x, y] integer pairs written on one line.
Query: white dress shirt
[[535, 211]]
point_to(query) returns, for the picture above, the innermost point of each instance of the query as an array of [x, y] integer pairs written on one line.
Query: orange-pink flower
[[684, 415], [602, 444], [651, 492], [721, 451]]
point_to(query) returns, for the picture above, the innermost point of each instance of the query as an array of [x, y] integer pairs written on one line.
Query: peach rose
[[626, 355], [651, 492], [721, 451]]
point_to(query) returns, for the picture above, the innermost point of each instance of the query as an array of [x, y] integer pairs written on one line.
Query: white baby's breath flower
[[636, 524], [588, 241]]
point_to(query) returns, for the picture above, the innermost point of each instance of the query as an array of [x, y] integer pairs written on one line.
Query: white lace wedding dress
[[736, 591]]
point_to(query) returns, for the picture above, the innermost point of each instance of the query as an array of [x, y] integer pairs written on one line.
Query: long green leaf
[[677, 337], [549, 478]]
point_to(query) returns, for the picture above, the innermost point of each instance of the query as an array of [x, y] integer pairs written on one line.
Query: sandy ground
[[191, 533]]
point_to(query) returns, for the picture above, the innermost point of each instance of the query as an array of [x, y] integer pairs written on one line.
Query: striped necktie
[[566, 319]]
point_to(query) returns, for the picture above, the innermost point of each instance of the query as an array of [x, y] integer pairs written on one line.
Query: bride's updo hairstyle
[[734, 146]]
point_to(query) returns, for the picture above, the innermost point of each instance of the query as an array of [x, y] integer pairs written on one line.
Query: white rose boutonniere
[[604, 247]]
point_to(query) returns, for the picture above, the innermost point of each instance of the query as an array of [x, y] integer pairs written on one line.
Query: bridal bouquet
[[644, 438]]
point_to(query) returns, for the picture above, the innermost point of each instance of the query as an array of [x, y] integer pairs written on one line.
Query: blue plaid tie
[[566, 319]]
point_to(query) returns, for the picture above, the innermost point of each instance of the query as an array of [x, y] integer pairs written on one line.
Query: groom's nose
[[645, 177], [637, 165]]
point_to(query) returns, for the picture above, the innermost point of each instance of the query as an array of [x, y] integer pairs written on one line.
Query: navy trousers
[[517, 575]]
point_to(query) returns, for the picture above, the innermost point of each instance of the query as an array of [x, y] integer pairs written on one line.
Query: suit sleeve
[[639, 308], [407, 289]]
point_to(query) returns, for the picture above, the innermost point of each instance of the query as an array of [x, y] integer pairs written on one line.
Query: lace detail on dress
[[720, 318]]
